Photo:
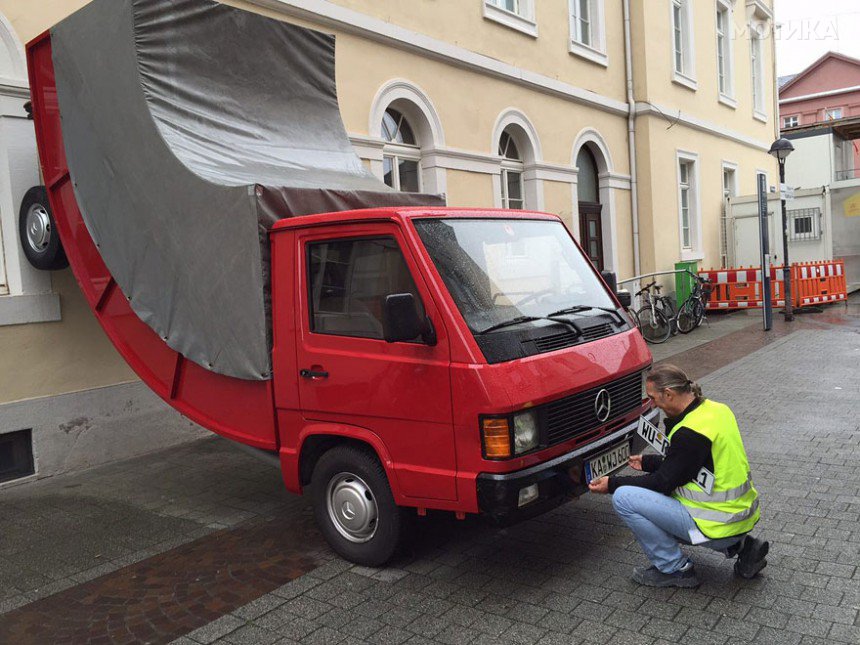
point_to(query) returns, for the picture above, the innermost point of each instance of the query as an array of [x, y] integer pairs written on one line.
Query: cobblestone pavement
[[203, 544]]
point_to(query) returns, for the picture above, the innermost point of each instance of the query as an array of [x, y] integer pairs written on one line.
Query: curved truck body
[[238, 409]]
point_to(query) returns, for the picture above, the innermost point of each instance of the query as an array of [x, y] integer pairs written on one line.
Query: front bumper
[[557, 480]]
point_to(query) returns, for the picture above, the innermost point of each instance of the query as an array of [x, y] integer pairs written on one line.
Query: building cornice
[[665, 112]]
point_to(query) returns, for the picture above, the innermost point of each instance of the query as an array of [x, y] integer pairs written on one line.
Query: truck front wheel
[[354, 507]]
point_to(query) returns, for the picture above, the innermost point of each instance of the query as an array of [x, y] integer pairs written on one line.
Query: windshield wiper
[[578, 309], [509, 323]]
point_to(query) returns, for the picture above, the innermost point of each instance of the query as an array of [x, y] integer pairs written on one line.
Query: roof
[[782, 80], [795, 78]]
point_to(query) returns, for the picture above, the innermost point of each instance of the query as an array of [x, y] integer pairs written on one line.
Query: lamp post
[[780, 149]]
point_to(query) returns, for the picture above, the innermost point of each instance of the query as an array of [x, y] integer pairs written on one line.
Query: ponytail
[[670, 377]]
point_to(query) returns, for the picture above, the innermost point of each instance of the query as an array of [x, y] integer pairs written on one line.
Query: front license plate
[[607, 462]]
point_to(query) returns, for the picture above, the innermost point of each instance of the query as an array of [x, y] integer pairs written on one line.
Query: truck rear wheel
[[38, 232], [354, 507]]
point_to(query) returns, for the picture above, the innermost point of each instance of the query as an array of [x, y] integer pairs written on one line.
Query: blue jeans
[[658, 522]]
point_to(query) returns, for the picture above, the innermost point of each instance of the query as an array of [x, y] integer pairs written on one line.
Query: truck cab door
[[348, 373]]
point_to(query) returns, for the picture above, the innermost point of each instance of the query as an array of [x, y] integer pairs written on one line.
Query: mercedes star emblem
[[602, 405]]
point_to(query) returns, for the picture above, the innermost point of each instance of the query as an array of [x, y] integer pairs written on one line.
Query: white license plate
[[607, 462]]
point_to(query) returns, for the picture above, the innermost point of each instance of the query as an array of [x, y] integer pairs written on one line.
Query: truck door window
[[348, 282]]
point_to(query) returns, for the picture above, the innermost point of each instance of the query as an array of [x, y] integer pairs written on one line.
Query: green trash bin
[[684, 281]]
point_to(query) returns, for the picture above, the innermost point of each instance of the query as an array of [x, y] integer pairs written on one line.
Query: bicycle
[[651, 320], [692, 311]]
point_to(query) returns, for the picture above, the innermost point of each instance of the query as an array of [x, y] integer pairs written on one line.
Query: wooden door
[[591, 232]]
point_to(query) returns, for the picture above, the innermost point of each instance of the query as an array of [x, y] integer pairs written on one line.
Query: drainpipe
[[631, 137]]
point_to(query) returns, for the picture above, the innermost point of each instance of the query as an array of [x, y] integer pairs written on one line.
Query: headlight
[[525, 432]]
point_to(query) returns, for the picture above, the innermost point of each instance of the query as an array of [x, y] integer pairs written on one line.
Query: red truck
[[413, 357]]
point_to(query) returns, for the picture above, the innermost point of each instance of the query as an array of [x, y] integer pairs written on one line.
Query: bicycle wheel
[[686, 320], [698, 312], [653, 325]]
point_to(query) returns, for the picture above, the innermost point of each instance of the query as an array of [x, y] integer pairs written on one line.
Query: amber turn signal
[[497, 438]]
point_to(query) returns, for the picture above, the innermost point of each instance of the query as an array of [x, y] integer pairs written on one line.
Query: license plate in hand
[[607, 462]]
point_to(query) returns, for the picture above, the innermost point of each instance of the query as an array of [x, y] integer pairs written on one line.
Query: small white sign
[[786, 192], [705, 480], [653, 436]]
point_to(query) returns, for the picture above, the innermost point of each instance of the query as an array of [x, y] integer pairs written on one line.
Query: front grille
[[574, 415], [598, 331]]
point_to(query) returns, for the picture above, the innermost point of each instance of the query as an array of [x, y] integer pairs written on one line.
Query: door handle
[[312, 374]]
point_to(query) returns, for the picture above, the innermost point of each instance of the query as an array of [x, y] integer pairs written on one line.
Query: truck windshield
[[514, 271]]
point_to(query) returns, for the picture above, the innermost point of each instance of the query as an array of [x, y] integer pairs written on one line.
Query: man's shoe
[[653, 577], [751, 558]]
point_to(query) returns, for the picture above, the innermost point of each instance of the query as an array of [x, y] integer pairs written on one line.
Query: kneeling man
[[700, 492]]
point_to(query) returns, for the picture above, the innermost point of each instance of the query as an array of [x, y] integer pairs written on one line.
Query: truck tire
[[354, 507], [38, 232]]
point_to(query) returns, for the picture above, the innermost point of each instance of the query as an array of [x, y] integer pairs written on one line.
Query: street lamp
[[780, 149]]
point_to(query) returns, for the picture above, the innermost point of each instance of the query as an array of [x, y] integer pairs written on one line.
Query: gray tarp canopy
[[190, 128]]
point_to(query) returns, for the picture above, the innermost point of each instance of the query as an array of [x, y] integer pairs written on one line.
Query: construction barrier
[[812, 283], [819, 283], [742, 288]]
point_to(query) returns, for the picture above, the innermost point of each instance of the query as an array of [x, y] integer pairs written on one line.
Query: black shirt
[[688, 452]]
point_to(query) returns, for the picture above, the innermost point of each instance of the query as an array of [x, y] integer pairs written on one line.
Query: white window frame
[[793, 124], [595, 49], [398, 151], [731, 167], [522, 20], [685, 76], [757, 73], [829, 112], [725, 53], [694, 210], [513, 167]]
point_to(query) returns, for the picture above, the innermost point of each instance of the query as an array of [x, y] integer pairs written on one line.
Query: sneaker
[[652, 577], [751, 557]]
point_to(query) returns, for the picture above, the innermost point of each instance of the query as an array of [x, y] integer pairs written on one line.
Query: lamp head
[[781, 148]]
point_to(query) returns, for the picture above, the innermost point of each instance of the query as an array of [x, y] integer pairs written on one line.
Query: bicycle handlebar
[[646, 288]]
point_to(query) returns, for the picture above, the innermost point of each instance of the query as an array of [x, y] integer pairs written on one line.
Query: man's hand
[[599, 485], [635, 462]]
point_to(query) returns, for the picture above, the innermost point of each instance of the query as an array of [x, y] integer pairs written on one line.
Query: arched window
[[401, 155], [587, 178], [512, 172]]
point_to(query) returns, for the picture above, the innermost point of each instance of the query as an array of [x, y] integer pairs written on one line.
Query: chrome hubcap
[[352, 507], [38, 228]]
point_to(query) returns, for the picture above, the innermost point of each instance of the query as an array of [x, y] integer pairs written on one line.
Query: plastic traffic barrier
[[815, 283], [812, 283]]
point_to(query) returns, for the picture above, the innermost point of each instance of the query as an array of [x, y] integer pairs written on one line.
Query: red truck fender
[[291, 458]]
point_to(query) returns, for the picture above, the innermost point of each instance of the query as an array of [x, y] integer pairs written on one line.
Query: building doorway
[[590, 208]]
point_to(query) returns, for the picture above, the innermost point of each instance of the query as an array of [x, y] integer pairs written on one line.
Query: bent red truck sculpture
[[391, 353]]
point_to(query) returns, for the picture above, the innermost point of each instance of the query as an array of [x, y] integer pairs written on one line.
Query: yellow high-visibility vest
[[731, 508]]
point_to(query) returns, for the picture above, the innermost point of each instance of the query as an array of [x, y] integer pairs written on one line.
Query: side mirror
[[610, 280], [401, 322], [624, 298]]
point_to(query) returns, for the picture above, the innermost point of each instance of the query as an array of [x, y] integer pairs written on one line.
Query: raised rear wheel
[[40, 240]]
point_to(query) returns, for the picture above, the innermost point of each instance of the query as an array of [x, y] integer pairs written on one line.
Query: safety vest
[[731, 508]]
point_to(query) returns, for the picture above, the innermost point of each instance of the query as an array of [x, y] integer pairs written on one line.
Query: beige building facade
[[630, 119]]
